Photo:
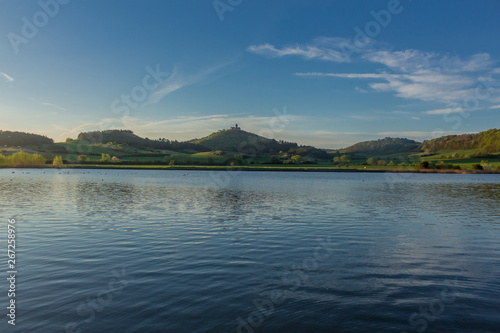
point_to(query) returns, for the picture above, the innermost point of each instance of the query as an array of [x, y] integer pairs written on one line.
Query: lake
[[200, 251]]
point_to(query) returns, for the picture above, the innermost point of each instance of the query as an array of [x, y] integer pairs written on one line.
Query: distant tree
[[382, 163], [275, 160], [58, 161], [48, 156], [69, 140], [345, 159], [424, 165], [82, 158], [22, 158], [391, 163], [176, 158], [115, 159], [308, 151], [19, 158], [336, 159], [370, 161], [105, 158], [297, 159], [477, 166]]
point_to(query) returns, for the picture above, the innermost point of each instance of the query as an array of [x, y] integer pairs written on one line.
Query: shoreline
[[248, 168]]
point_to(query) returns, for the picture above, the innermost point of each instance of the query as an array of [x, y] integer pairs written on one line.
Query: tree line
[[129, 138], [383, 146], [22, 159], [487, 141], [16, 139]]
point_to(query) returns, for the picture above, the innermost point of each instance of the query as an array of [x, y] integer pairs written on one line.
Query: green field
[[125, 156]]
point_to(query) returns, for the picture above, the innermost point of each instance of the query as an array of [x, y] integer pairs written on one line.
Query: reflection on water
[[349, 252]]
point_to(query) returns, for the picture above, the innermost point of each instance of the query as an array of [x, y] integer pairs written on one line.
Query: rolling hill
[[238, 140], [487, 141], [383, 146], [229, 140], [9, 138], [127, 137]]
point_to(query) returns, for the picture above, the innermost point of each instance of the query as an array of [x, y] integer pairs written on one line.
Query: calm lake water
[[174, 251]]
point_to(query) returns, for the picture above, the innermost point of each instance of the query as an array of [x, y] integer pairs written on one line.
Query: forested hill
[[117, 136], [487, 141], [129, 138], [15, 139], [239, 140], [383, 146]]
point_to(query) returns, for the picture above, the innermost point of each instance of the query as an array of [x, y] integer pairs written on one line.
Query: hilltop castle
[[234, 128]]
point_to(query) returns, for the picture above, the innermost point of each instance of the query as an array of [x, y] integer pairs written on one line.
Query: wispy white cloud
[[323, 48], [174, 82], [6, 78], [361, 90], [178, 80], [494, 107], [53, 105], [64, 132], [353, 75], [445, 111], [382, 76], [423, 76], [408, 74], [184, 128]]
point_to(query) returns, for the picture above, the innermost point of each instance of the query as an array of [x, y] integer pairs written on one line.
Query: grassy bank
[[379, 169]]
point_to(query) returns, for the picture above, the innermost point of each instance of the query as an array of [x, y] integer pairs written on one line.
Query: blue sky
[[325, 73]]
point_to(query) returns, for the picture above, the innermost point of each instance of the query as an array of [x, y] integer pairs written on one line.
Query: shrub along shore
[[28, 160]]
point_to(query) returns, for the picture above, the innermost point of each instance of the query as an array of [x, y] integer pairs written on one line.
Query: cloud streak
[[6, 78], [408, 74], [184, 128], [353, 75], [429, 77], [178, 80], [53, 105], [323, 48]]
